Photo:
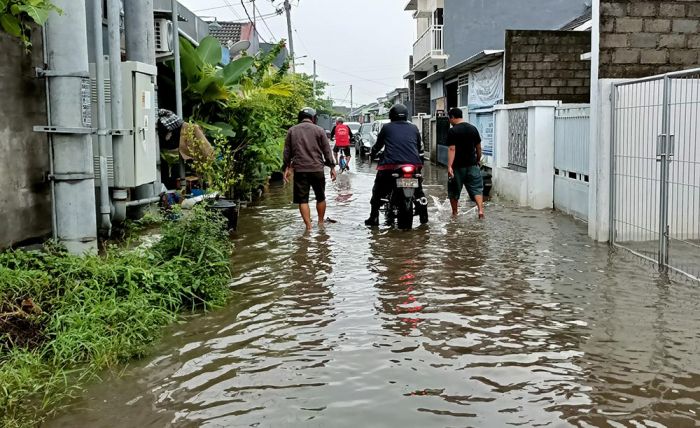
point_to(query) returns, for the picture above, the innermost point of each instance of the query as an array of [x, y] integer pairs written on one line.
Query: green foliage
[[246, 107], [63, 318], [16, 16]]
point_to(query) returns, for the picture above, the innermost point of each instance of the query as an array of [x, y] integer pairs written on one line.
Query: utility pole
[[288, 8], [178, 84], [69, 100], [350, 98], [314, 80]]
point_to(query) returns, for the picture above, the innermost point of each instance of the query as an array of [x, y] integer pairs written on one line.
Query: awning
[[469, 64]]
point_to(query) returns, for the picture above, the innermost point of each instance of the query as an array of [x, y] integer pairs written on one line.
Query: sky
[[363, 43]]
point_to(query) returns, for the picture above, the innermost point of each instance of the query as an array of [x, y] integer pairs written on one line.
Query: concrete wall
[[25, 204], [640, 39], [472, 26], [547, 65], [535, 187]]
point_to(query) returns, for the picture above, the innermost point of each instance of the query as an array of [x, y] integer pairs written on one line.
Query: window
[[464, 90]]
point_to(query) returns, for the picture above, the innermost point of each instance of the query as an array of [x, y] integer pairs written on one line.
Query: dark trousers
[[384, 184]]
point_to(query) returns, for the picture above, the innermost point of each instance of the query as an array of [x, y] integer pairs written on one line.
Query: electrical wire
[[263, 20], [252, 22]]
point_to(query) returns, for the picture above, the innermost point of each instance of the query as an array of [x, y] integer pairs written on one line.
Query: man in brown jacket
[[307, 151]]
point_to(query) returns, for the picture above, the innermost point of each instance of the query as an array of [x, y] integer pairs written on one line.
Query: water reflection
[[518, 320]]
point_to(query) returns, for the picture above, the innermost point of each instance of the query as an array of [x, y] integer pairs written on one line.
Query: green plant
[[16, 16], [246, 108], [209, 87], [63, 318]]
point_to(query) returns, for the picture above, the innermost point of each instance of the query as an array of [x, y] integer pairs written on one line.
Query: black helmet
[[398, 112], [307, 113]]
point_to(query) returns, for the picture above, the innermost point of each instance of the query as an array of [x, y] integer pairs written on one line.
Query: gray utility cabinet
[[131, 160]]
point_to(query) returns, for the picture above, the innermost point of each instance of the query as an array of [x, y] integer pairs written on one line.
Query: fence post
[[663, 152], [540, 154], [613, 188]]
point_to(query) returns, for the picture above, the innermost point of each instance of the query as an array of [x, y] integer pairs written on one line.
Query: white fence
[[571, 159], [524, 153]]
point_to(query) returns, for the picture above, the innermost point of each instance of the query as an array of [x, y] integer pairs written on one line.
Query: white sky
[[364, 43]]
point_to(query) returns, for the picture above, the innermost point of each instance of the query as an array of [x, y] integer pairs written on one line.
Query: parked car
[[354, 126], [376, 127], [363, 145]]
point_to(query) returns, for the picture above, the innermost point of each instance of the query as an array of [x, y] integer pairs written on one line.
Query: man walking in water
[[343, 136], [463, 162], [306, 151]]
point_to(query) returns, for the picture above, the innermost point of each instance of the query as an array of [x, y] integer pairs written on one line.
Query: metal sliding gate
[[655, 170]]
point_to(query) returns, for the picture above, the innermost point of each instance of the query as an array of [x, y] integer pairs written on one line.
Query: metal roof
[[471, 63], [231, 31], [577, 22]]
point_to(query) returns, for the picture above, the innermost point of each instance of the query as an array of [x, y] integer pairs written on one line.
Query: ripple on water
[[515, 321]]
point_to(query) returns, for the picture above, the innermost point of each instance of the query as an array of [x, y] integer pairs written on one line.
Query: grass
[[64, 318]]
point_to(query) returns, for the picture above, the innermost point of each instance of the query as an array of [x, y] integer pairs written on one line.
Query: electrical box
[[131, 159]]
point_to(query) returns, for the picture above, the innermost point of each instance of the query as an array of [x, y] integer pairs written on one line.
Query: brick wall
[[547, 65], [647, 37], [25, 205], [421, 95]]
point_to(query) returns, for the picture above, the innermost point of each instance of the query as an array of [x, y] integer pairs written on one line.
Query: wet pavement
[[518, 320]]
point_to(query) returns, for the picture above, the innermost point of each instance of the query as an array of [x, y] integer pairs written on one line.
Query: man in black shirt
[[463, 162]]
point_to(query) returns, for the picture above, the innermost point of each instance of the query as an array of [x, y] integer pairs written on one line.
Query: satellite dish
[[238, 46]]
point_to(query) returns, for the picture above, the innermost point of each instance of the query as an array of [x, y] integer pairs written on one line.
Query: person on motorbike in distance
[[343, 137], [401, 141]]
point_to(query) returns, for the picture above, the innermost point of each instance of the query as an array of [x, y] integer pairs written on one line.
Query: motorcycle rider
[[401, 141], [343, 136]]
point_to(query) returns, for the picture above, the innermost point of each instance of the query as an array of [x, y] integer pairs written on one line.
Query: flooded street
[[518, 320]]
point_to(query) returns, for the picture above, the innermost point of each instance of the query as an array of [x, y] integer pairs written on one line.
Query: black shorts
[[304, 181], [345, 150]]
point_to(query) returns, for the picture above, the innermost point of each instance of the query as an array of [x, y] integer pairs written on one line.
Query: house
[[399, 96], [365, 114], [235, 37], [458, 36]]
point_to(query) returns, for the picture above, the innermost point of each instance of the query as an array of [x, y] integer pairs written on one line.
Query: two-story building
[[455, 37]]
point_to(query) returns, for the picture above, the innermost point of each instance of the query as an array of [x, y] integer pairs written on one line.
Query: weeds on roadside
[[63, 318]]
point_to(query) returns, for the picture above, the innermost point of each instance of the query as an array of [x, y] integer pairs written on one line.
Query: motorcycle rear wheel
[[404, 220]]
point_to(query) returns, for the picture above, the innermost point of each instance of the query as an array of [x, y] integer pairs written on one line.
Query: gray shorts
[[468, 177]]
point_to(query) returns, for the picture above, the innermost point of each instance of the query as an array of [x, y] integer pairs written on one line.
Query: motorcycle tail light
[[408, 171]]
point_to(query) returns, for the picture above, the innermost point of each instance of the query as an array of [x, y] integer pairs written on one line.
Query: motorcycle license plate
[[407, 183]]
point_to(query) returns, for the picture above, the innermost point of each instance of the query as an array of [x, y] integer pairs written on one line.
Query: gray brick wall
[[420, 95], [25, 205], [648, 37], [547, 65]]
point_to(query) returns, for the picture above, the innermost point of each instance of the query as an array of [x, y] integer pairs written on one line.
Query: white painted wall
[[571, 197], [540, 154], [534, 188], [599, 162]]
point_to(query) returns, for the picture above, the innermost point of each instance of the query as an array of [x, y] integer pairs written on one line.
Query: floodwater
[[518, 320]]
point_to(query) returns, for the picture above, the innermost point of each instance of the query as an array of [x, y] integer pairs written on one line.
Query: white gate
[[655, 170], [571, 175]]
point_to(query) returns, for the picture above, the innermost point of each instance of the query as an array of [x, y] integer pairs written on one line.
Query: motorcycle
[[402, 204]]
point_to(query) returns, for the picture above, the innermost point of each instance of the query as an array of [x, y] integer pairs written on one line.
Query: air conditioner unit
[[164, 36]]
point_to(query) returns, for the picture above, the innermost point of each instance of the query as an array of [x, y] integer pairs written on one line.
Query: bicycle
[[342, 163]]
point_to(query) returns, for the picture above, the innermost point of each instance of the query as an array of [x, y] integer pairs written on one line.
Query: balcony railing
[[429, 44]]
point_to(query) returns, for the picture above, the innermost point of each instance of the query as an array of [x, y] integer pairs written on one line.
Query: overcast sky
[[364, 43]]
